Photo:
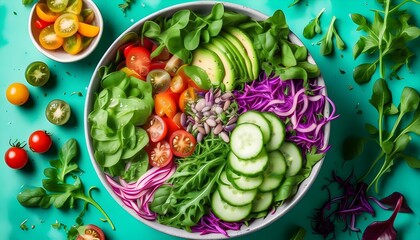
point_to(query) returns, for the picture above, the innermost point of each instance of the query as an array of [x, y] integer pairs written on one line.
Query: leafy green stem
[[401, 4], [372, 166], [381, 38], [89, 199]]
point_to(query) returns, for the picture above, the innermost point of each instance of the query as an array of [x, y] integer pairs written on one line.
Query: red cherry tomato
[[138, 59], [41, 24], [157, 128], [40, 141], [182, 143], [16, 157], [89, 232], [174, 123], [160, 154]]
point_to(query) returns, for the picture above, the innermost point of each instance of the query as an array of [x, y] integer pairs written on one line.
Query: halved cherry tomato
[[88, 15], [173, 124], [157, 128], [160, 154], [178, 84], [44, 13], [138, 59], [187, 96], [57, 5], [127, 47], [160, 80], [88, 30], [73, 44], [182, 143], [90, 231], [66, 25], [74, 6], [41, 24], [49, 39], [165, 104]]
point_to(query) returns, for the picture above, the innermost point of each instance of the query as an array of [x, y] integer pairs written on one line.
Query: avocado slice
[[249, 48], [241, 51], [210, 63], [219, 43], [231, 73], [237, 57]]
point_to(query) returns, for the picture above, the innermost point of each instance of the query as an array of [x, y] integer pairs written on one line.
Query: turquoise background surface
[[18, 122]]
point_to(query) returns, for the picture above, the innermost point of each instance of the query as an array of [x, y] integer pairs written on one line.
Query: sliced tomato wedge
[[182, 143], [165, 104], [160, 154], [157, 128], [138, 59], [187, 96]]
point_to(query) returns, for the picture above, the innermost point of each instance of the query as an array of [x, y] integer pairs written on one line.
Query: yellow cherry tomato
[[44, 13], [66, 25], [17, 93], [74, 6], [73, 44], [88, 30], [49, 39]]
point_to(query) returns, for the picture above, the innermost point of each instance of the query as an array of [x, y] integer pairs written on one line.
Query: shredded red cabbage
[[302, 109], [211, 224], [137, 195]]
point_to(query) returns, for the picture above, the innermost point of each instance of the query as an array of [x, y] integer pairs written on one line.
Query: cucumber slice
[[262, 201], [258, 119], [223, 179], [236, 197], [227, 212], [278, 131], [246, 140], [248, 167], [293, 156], [243, 182], [274, 173]]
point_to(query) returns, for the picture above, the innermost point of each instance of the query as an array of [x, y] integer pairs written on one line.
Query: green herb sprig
[[57, 191], [125, 5], [392, 141], [314, 26], [327, 44], [387, 37]]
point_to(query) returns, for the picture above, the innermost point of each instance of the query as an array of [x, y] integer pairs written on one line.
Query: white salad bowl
[[94, 87], [59, 54]]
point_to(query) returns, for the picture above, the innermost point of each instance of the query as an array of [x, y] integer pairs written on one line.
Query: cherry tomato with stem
[[16, 156], [40, 141]]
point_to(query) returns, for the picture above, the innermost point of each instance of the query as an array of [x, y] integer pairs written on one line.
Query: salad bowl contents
[[207, 120], [67, 30]]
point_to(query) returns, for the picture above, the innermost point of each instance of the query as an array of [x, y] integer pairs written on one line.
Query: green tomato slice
[[57, 5], [58, 112], [37, 73]]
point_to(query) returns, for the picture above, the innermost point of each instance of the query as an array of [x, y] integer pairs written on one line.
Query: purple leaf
[[383, 229], [391, 202]]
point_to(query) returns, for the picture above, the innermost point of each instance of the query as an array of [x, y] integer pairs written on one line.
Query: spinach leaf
[[387, 38], [313, 27], [56, 190], [327, 44]]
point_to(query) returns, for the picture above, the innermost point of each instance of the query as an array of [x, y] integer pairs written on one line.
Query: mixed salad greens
[[206, 122]]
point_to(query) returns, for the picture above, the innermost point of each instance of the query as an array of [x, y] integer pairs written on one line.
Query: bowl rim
[[67, 58], [94, 86]]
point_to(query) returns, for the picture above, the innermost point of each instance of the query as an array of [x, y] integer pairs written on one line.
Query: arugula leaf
[[313, 27], [294, 3], [125, 5], [56, 190], [387, 38], [326, 42]]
